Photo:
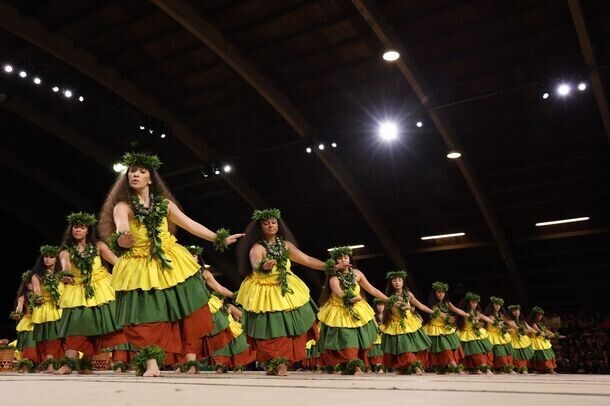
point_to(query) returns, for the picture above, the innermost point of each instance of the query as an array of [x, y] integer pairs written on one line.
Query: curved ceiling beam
[[408, 68], [214, 40], [55, 126], [587, 51], [43, 178], [63, 48]]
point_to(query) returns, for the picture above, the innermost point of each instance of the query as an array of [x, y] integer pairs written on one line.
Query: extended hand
[[355, 299], [270, 263], [233, 238], [16, 316], [40, 300], [126, 240], [341, 267], [67, 280]]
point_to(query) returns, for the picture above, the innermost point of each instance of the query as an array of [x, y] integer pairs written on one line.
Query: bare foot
[[488, 372], [64, 370], [118, 370], [478, 372], [512, 372], [418, 371], [23, 369], [358, 371], [50, 369], [191, 370], [380, 371], [152, 369], [219, 370], [85, 372], [282, 370]]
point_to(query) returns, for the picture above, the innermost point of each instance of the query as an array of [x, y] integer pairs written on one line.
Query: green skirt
[[543, 355], [502, 350], [221, 321], [88, 321], [482, 346], [25, 339], [151, 306], [375, 351], [238, 345], [402, 343], [442, 343], [339, 338], [523, 354], [264, 326], [47, 331]]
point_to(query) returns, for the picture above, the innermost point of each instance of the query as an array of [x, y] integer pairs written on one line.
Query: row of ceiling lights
[[37, 80]]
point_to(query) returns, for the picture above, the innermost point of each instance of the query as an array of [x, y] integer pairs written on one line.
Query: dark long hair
[[464, 304], [389, 291], [67, 240], [254, 234], [510, 316], [22, 291], [531, 319], [489, 311], [40, 270], [121, 192], [433, 302]]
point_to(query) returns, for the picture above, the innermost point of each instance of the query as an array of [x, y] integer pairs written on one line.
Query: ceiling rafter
[[373, 16], [62, 48], [215, 41], [587, 50]]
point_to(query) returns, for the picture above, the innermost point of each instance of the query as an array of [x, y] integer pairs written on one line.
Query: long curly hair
[[253, 235], [122, 192], [40, 269]]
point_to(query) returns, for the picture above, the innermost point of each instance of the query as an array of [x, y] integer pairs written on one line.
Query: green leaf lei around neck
[[347, 281], [277, 251], [84, 262], [474, 322], [499, 323], [51, 285], [152, 218], [402, 310]]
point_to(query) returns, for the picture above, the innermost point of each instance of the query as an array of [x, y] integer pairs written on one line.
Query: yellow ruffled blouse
[[496, 337], [25, 324], [261, 292], [437, 327], [135, 268], [334, 314], [466, 333], [411, 324], [74, 294], [48, 311]]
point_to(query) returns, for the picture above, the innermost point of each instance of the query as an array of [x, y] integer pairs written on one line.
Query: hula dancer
[[522, 345], [348, 326], [46, 313], [446, 353], [162, 301], [25, 328], [499, 336], [543, 360], [478, 357], [278, 314], [88, 320], [405, 344]]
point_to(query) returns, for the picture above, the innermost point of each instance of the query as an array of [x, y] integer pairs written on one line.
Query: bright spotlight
[[55, 89], [321, 147], [81, 99], [23, 74], [453, 155], [227, 168], [8, 68], [142, 127], [563, 89], [119, 167], [37, 80], [163, 135], [419, 124], [582, 86], [388, 131], [545, 96], [308, 150], [217, 172], [391, 55], [334, 145], [68, 93], [150, 131]]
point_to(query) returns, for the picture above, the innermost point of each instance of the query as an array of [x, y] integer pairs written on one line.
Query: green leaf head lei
[[81, 219], [142, 160], [440, 287], [194, 249], [496, 300], [396, 274], [49, 251], [473, 297], [338, 252], [26, 276], [537, 310], [261, 215], [512, 308]]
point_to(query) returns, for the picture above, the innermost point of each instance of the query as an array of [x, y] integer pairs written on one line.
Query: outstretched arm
[[419, 304], [176, 216], [366, 285], [457, 310], [106, 253], [215, 285], [481, 316]]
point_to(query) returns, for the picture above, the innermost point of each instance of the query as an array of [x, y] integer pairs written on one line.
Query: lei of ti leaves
[[152, 218], [441, 307], [277, 251], [401, 309], [84, 262], [347, 281], [31, 299], [51, 285], [520, 327], [474, 322], [499, 323]]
